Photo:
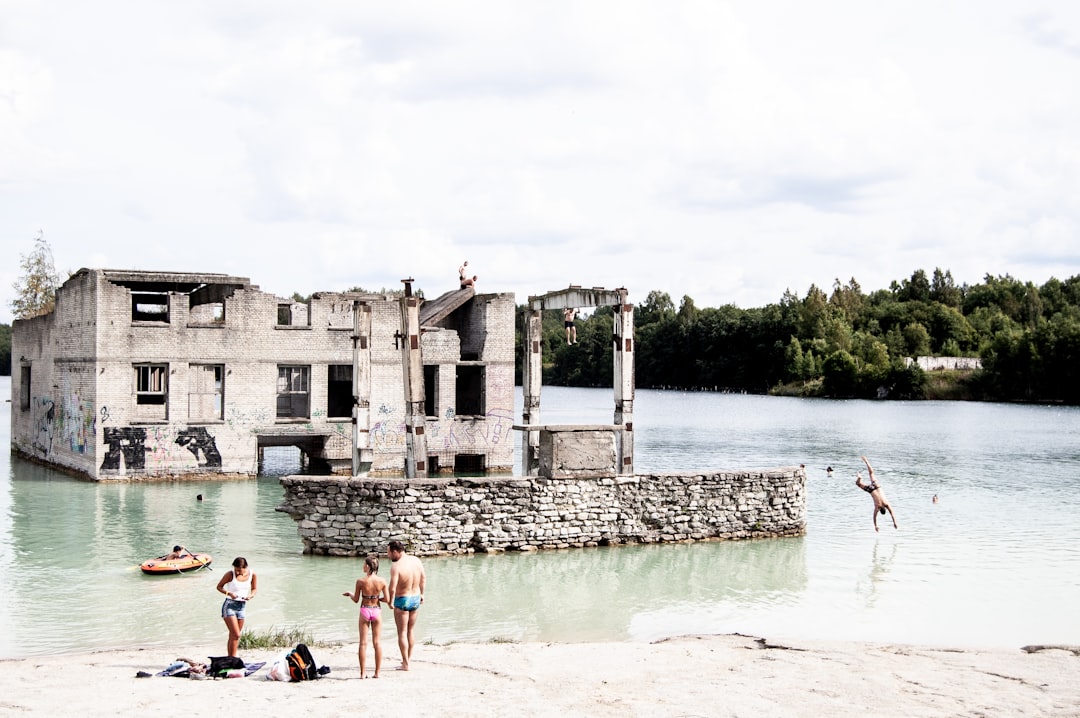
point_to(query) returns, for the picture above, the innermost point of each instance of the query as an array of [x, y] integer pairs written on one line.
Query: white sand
[[687, 676]]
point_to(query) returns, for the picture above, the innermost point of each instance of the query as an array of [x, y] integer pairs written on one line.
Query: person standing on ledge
[[407, 582], [461, 273], [874, 489], [569, 315]]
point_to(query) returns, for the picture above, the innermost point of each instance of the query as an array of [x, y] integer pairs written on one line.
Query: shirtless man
[[177, 552], [874, 489], [407, 581], [569, 315]]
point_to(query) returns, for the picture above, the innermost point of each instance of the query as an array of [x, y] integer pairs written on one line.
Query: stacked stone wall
[[353, 517]]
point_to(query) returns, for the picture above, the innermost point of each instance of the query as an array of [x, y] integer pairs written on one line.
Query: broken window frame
[[294, 391]]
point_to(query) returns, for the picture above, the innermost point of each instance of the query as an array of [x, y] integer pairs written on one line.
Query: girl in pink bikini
[[370, 591]]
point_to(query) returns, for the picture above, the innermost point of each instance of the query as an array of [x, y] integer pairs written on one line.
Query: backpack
[[221, 665], [301, 664]]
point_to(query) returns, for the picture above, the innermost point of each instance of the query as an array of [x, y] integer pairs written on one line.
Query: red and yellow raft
[[190, 562]]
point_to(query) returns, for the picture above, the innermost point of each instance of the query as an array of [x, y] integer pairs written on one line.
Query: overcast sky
[[723, 150]]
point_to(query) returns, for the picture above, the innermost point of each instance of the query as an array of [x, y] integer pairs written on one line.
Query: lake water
[[995, 563]]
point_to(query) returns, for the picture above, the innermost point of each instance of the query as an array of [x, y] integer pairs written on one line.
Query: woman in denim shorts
[[239, 587]]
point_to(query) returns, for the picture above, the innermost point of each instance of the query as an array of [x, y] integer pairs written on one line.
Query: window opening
[[150, 307], [431, 385], [470, 391], [339, 396], [152, 391], [294, 394], [24, 389], [284, 315], [470, 464]]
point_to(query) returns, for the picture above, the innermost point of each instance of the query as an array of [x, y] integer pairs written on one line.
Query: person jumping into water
[[874, 489]]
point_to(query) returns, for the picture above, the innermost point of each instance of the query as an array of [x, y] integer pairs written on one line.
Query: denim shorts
[[232, 607]]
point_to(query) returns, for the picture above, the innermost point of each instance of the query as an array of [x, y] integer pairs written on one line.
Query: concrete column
[[361, 389], [623, 325], [531, 380], [412, 366]]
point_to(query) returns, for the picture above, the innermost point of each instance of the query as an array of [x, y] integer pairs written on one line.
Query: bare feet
[[402, 667]]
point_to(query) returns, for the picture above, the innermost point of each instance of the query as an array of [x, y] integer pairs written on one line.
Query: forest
[[845, 343]]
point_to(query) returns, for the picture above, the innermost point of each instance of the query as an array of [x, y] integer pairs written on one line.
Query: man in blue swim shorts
[[407, 582]]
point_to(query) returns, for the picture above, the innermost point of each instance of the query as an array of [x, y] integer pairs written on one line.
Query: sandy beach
[[728, 675]]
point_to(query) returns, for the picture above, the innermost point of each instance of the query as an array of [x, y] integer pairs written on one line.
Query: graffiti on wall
[[70, 423], [44, 417], [475, 434], [127, 443], [198, 440]]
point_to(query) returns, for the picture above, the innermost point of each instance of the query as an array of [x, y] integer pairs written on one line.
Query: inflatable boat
[[190, 562]]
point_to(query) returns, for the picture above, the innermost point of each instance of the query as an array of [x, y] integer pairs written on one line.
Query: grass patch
[[277, 638], [502, 639]]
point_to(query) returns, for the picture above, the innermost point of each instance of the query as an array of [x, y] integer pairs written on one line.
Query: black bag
[[223, 664], [301, 664]]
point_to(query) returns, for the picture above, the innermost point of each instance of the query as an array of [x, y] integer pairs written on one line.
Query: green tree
[[35, 290], [5, 350]]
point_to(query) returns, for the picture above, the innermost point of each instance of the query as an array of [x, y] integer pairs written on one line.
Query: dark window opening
[[431, 385], [24, 389], [294, 392], [149, 307], [470, 464], [432, 465], [284, 315], [470, 391], [339, 396]]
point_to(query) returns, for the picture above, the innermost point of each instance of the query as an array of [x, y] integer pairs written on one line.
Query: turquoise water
[[995, 563]]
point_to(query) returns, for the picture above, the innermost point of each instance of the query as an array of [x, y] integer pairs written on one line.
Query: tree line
[[845, 343]]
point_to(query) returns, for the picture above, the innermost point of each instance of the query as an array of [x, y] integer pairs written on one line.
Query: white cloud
[[722, 150]]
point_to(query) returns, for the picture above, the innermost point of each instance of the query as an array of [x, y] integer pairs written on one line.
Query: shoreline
[[712, 675]]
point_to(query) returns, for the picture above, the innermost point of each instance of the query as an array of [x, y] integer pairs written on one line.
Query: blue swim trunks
[[407, 603]]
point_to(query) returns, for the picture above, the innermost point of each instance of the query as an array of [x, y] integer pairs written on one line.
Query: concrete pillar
[[412, 366], [531, 381], [361, 389], [623, 326]]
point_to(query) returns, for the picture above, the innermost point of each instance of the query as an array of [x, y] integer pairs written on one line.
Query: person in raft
[[881, 505], [239, 586], [407, 581], [370, 590], [177, 552]]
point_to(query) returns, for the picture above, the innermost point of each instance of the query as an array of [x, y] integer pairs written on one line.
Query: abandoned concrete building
[[141, 374]]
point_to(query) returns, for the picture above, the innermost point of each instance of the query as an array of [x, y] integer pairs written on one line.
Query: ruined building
[[153, 374]]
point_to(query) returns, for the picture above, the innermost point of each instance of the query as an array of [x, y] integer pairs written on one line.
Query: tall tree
[[35, 290]]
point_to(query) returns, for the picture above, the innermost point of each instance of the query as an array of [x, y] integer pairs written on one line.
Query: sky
[[725, 151]]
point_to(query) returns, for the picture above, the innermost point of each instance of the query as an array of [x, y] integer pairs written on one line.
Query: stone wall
[[355, 516]]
